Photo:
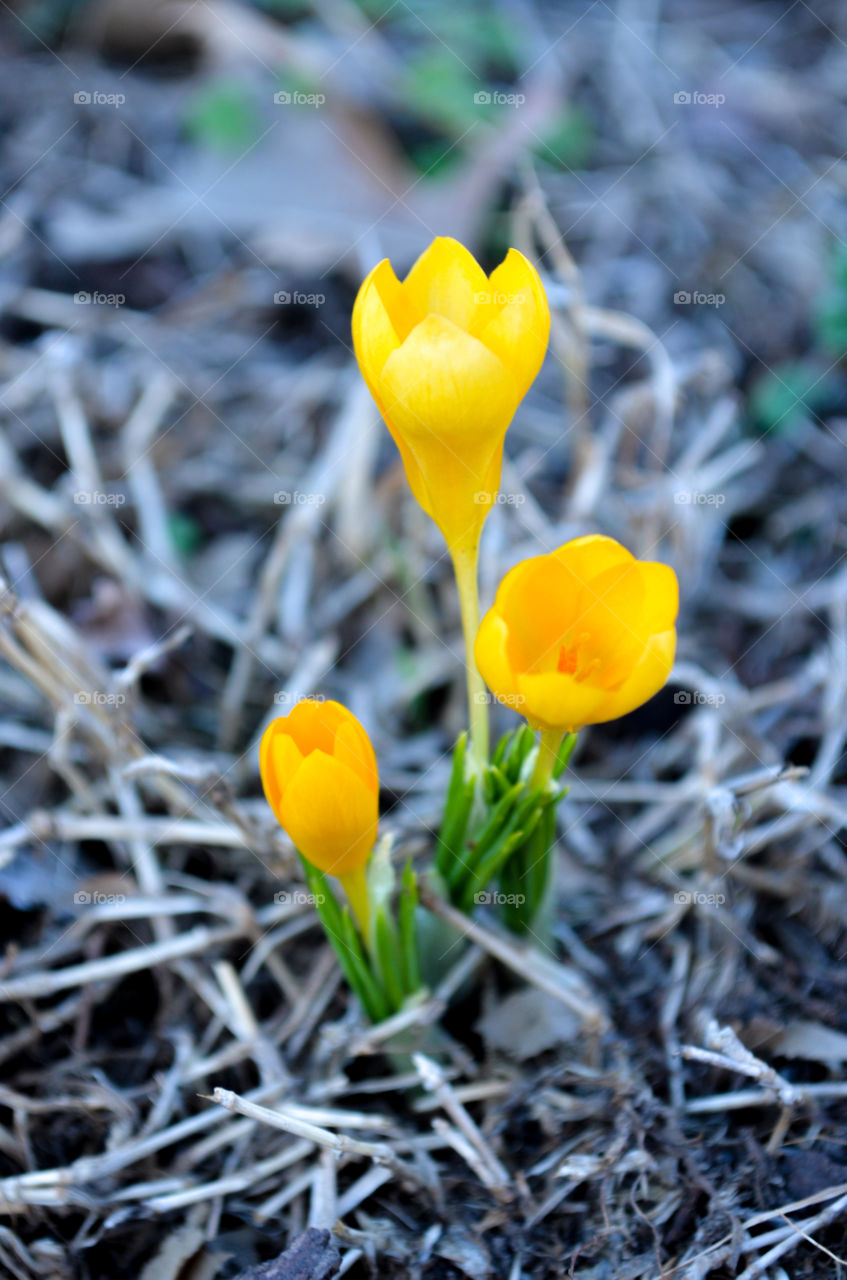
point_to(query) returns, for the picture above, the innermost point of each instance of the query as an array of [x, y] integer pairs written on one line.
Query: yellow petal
[[353, 748], [492, 659], [382, 318], [519, 329], [313, 724], [554, 701], [645, 680], [592, 554], [661, 595], [610, 617], [447, 281], [450, 400], [279, 760], [330, 814], [538, 599]]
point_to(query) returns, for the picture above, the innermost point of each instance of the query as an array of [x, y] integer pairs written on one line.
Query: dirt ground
[[203, 519]]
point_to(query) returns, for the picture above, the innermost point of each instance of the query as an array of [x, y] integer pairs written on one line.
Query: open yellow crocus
[[447, 355], [319, 775], [579, 636]]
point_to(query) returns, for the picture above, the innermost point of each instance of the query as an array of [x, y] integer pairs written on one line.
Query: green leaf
[[363, 983], [830, 314], [784, 396], [495, 783], [186, 534], [569, 142], [387, 946], [482, 842], [457, 809], [501, 749], [563, 759], [438, 87], [346, 943], [527, 872], [222, 115], [511, 838], [406, 911], [513, 835], [523, 744]]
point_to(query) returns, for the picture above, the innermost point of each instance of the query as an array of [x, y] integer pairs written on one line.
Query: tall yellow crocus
[[447, 355], [579, 636], [319, 775]]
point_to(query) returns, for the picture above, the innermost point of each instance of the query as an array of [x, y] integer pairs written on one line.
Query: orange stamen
[[567, 660]]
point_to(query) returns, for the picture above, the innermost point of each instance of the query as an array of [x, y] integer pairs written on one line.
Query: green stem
[[548, 750], [465, 567]]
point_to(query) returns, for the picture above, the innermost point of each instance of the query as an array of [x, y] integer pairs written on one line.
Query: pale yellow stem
[[548, 750], [465, 567], [355, 885]]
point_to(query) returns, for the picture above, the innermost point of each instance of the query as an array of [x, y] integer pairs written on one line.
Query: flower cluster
[[575, 637]]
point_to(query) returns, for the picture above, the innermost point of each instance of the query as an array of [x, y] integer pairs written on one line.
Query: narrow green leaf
[[493, 783], [457, 808], [406, 909], [501, 750], [345, 941], [522, 743], [364, 983], [563, 759], [389, 959], [514, 834], [536, 857], [481, 843]]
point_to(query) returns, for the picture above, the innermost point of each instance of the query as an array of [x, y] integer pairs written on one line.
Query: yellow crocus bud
[[580, 636], [319, 774], [447, 355]]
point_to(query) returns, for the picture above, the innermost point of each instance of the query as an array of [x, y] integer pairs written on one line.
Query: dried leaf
[[526, 1023], [312, 1256], [812, 1041]]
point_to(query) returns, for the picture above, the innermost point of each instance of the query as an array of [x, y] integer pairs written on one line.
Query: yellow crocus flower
[[579, 636], [319, 775], [448, 355]]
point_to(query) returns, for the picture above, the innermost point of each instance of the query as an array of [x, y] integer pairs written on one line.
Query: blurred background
[[203, 519]]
